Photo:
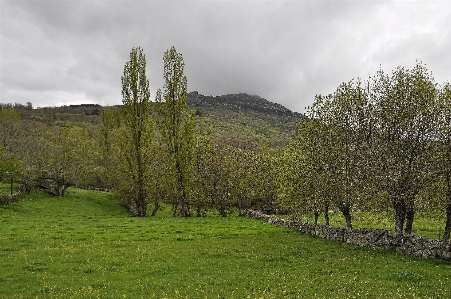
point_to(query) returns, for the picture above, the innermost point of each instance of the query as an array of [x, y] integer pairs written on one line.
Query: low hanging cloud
[[64, 52]]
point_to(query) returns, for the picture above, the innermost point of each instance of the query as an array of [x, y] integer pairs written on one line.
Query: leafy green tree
[[108, 142], [11, 136], [204, 171], [361, 142], [138, 129], [11, 131], [444, 154], [348, 119], [10, 164], [405, 116], [252, 179], [67, 156], [35, 152], [303, 179], [231, 167], [176, 126], [223, 176]]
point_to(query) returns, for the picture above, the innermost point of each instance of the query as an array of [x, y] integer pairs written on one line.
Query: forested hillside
[[242, 120], [245, 121]]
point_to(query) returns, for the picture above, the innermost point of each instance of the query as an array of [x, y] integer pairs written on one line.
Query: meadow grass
[[85, 245]]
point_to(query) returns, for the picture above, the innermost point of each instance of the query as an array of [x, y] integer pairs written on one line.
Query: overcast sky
[[71, 52]]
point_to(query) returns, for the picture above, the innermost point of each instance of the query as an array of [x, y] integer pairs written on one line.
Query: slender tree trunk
[[140, 201], [131, 209], [239, 208], [446, 235], [400, 215], [221, 211], [184, 212], [447, 232], [316, 217], [61, 190], [348, 218], [174, 209], [346, 211], [410, 214], [156, 206], [326, 215]]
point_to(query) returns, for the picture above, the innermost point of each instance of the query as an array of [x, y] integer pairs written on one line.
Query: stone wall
[[96, 188], [372, 238], [7, 199]]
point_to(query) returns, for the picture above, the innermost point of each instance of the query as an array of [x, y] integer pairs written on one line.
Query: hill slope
[[242, 120]]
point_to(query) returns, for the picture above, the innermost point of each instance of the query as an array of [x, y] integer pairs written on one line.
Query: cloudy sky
[[65, 52]]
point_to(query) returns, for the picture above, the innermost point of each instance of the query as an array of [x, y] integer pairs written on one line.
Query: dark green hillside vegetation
[[241, 101], [245, 121], [239, 119], [85, 245], [83, 113]]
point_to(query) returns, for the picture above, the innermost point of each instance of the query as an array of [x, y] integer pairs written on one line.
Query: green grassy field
[[85, 245]]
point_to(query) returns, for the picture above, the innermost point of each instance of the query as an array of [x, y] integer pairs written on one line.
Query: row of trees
[[152, 154], [146, 152], [385, 141], [382, 141], [37, 153], [148, 149]]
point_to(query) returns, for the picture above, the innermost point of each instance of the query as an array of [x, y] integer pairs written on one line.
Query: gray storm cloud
[[64, 52]]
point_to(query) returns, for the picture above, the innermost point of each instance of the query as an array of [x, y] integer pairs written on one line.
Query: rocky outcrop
[[372, 238]]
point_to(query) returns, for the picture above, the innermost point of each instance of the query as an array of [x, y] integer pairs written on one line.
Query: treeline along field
[[372, 144], [380, 145]]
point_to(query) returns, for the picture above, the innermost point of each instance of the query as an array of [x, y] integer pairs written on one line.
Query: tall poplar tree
[[177, 126], [138, 129]]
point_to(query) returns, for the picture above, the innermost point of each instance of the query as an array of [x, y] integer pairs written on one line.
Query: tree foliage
[[370, 143], [304, 182], [137, 131], [10, 164], [443, 157], [176, 126]]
